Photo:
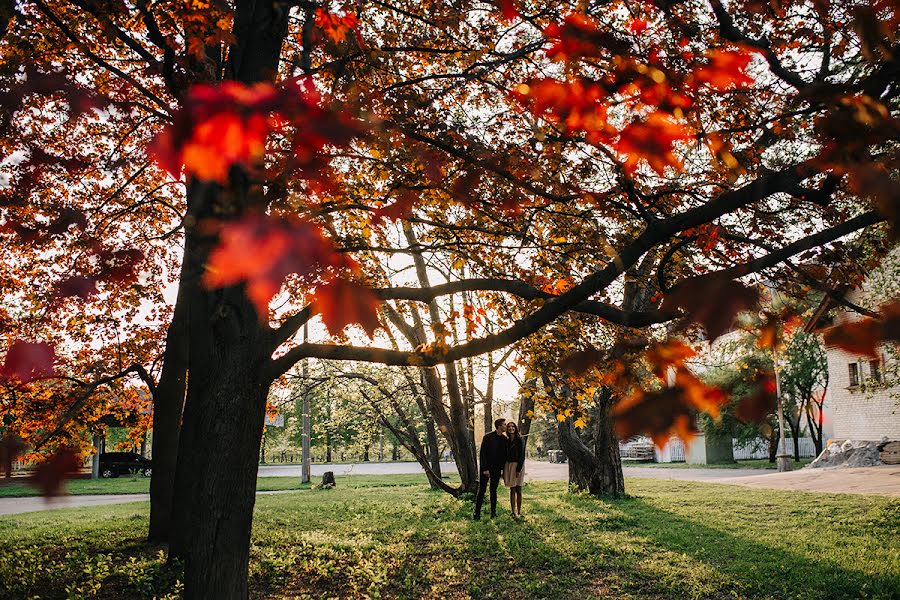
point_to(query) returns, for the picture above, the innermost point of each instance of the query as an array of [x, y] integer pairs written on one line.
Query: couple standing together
[[502, 455]]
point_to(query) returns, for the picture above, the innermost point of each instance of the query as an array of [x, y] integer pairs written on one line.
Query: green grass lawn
[[741, 464], [669, 539], [141, 485]]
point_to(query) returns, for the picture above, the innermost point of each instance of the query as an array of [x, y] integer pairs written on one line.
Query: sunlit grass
[[669, 539], [141, 485]]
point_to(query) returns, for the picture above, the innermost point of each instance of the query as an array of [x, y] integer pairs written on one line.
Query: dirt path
[[881, 481]]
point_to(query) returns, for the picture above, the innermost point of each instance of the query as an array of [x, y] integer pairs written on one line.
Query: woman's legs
[[512, 500], [518, 492]]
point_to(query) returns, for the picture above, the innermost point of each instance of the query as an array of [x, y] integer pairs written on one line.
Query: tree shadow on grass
[[510, 558], [738, 564]]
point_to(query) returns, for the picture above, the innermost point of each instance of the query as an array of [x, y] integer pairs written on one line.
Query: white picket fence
[[674, 451], [760, 449]]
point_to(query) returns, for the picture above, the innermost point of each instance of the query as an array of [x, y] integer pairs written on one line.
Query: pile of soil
[[850, 453]]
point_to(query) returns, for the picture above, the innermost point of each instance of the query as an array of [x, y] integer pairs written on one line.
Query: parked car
[[113, 464], [556, 456]]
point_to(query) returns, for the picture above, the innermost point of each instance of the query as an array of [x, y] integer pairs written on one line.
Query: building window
[[854, 374], [875, 370]]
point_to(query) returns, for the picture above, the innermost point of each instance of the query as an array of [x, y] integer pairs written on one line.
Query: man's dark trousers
[[494, 479]]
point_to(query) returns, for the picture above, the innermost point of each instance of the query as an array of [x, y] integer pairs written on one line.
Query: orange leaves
[[652, 140], [342, 302], [669, 411], [261, 251], [337, 26], [866, 335], [28, 361], [227, 126], [727, 69]]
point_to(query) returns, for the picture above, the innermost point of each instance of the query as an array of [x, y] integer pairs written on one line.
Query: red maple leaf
[[760, 403], [28, 361], [578, 105], [857, 337], [227, 125], [77, 285], [578, 362], [342, 302], [50, 475], [261, 251], [582, 36], [652, 140], [713, 302], [509, 9], [337, 26], [727, 69], [659, 414], [637, 26]]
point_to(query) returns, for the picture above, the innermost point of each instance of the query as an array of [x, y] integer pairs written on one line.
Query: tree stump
[[328, 479]]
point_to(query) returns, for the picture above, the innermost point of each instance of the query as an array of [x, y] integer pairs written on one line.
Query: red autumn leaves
[[669, 408], [26, 362], [227, 127], [662, 95], [262, 251], [864, 336]]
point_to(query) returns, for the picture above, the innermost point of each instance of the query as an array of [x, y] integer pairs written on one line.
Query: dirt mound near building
[[849, 453]]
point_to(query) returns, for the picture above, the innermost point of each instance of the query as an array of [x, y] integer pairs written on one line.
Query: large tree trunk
[[215, 481], [597, 470], [168, 403], [218, 450], [222, 425]]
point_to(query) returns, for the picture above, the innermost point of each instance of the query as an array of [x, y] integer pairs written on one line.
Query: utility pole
[[783, 458], [304, 459]]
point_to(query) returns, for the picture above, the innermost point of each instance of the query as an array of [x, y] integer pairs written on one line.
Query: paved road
[[883, 480], [369, 468]]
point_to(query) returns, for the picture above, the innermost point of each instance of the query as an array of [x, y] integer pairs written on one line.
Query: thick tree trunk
[[219, 445], [597, 470], [464, 437], [215, 481], [168, 403]]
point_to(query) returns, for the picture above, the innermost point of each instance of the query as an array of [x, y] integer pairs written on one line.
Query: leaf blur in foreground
[[50, 475], [28, 361]]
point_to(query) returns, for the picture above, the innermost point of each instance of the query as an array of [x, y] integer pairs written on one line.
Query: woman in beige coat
[[514, 470]]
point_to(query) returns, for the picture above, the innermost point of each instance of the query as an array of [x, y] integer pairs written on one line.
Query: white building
[[863, 395]]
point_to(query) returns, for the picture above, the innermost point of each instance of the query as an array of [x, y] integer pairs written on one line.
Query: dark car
[[113, 464]]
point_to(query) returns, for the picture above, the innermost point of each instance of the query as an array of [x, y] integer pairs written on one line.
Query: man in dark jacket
[[492, 458]]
